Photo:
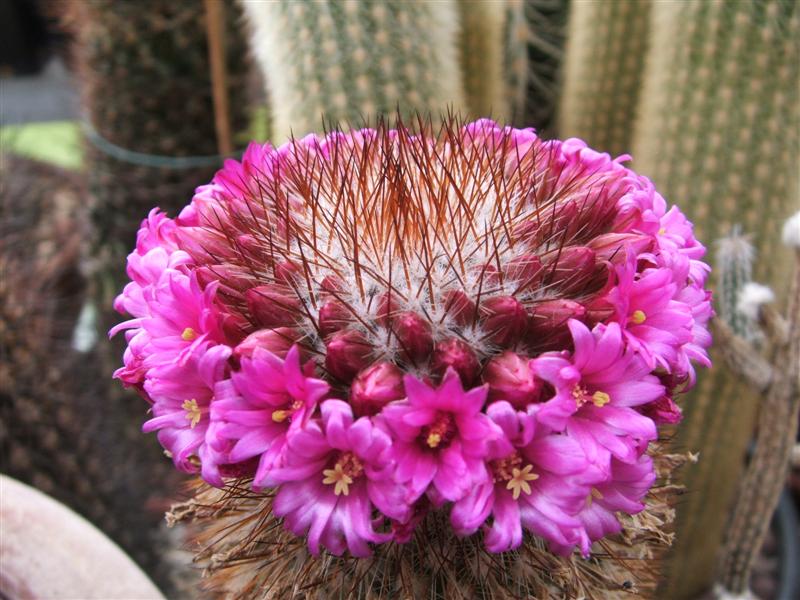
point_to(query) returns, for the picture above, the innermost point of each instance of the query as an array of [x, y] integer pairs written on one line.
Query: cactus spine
[[606, 45], [481, 54], [735, 256], [721, 89], [351, 61]]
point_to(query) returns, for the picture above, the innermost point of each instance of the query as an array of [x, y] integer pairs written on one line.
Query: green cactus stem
[[718, 130], [606, 46], [348, 62]]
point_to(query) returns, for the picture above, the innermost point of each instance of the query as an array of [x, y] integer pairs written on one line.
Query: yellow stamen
[[434, 439], [519, 481], [193, 413], [188, 334], [337, 476], [638, 317], [600, 399], [279, 416], [662, 231]]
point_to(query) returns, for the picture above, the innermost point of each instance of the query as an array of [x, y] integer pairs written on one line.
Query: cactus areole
[[375, 325]]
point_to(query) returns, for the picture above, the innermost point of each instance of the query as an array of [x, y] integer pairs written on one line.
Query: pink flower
[[266, 399], [534, 484], [440, 436], [182, 393], [335, 475], [597, 390], [623, 492]]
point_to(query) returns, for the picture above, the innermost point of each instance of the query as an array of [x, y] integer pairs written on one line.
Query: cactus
[[735, 255], [718, 128], [481, 53], [777, 379], [352, 61], [145, 86], [535, 32], [606, 45]]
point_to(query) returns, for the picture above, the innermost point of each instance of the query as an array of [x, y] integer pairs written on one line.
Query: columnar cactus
[[481, 48], [535, 32], [735, 255], [718, 127], [606, 46], [351, 61], [146, 89]]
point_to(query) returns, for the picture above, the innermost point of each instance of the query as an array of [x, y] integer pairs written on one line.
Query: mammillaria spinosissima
[[374, 326]]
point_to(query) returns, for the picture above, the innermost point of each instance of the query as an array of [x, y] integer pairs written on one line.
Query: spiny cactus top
[[380, 324]]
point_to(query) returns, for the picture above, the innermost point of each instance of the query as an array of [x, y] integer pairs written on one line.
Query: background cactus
[[606, 46], [735, 255], [718, 129], [480, 40], [146, 87], [535, 32], [351, 61]]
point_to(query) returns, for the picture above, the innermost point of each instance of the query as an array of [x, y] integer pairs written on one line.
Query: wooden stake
[[215, 25]]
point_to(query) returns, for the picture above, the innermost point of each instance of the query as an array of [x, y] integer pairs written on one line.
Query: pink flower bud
[[235, 328], [388, 306], [286, 272], [663, 410], [510, 379], [273, 305], [233, 277], [333, 316], [458, 305], [614, 246], [458, 355], [413, 335], [506, 320], [525, 269], [278, 341], [332, 285], [570, 268], [551, 316], [375, 387], [347, 352]]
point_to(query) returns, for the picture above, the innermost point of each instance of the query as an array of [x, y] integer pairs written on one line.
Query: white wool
[[791, 231], [720, 593], [752, 297]]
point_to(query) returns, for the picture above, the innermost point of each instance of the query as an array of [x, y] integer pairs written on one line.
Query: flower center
[[188, 334], [440, 433], [517, 479], [638, 317], [594, 494], [193, 412], [280, 415], [581, 395], [346, 470]]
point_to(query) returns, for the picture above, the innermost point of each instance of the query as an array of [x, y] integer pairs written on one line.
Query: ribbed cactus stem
[[535, 31], [735, 256], [350, 61], [481, 54], [718, 127], [606, 46]]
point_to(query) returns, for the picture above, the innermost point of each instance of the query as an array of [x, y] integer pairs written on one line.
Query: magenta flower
[[336, 473], [597, 390], [265, 399], [440, 436], [181, 392], [538, 482], [623, 492]]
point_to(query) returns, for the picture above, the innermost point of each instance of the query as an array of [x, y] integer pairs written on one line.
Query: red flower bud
[[510, 379], [458, 355], [333, 316], [570, 268], [458, 305], [347, 352], [278, 341], [375, 387], [548, 322], [286, 272], [273, 305], [413, 335], [614, 246], [525, 268], [505, 320], [663, 410]]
